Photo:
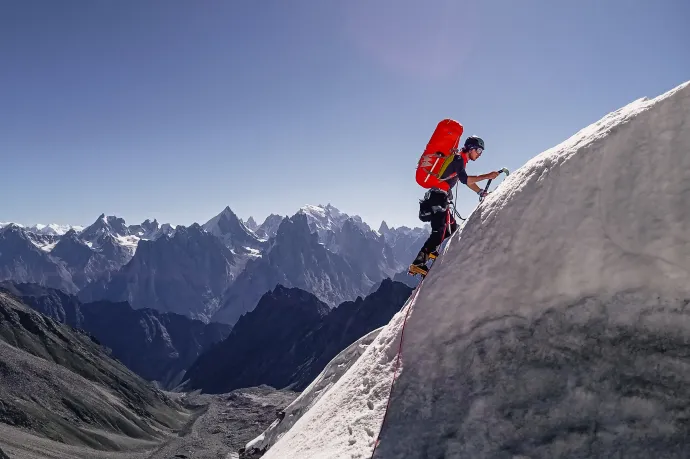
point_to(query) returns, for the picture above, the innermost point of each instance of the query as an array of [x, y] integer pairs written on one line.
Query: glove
[[482, 194]]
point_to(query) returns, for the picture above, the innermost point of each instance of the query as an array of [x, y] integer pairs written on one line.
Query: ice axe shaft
[[504, 171]]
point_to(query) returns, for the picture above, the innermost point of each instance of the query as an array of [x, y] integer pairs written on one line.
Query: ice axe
[[486, 188]]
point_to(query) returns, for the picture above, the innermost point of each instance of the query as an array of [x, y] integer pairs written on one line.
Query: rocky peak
[[290, 300], [295, 230], [230, 229], [384, 229], [150, 225], [269, 227], [251, 224], [146, 230]]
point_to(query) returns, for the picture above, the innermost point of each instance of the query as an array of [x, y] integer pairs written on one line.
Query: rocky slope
[[59, 384]]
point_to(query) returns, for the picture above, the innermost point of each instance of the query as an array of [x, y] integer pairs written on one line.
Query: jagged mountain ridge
[[295, 258], [269, 228], [365, 250], [185, 273], [87, 263], [251, 224], [52, 229], [102, 251], [404, 241]]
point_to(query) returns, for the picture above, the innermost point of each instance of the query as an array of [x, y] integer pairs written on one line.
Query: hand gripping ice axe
[[486, 188]]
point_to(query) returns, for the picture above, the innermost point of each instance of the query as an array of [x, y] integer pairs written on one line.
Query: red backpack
[[438, 154]]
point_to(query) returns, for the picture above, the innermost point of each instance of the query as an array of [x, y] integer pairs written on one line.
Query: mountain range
[[214, 271]]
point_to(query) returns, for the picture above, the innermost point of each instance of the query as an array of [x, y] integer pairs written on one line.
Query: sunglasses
[[479, 150]]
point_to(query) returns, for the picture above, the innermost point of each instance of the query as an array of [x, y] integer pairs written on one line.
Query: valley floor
[[218, 427]]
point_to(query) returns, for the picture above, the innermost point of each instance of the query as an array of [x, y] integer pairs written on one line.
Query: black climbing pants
[[439, 225]]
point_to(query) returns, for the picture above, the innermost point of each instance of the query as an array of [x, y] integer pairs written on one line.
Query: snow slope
[[555, 323], [311, 394]]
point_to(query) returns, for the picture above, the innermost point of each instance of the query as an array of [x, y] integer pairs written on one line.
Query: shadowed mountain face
[[269, 228], [51, 302], [364, 250], [156, 346], [290, 337], [58, 383], [346, 324], [260, 348], [87, 263], [22, 261]]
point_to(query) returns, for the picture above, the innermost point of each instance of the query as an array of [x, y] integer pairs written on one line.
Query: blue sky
[[173, 110]]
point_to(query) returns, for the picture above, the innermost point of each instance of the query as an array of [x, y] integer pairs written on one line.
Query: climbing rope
[[397, 364], [413, 296]]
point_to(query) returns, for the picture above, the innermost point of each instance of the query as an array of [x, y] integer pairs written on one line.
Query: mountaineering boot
[[418, 266], [433, 255]]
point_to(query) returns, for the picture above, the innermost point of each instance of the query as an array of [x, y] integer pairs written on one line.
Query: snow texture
[[312, 393], [555, 323], [324, 219]]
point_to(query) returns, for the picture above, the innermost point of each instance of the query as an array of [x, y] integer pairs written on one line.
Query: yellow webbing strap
[[445, 165]]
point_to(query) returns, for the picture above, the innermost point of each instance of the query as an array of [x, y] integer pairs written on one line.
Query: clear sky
[[175, 109]]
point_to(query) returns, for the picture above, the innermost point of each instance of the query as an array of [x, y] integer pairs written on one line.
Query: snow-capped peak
[[52, 229], [6, 224], [108, 230], [14, 227], [323, 219], [112, 225], [251, 224]]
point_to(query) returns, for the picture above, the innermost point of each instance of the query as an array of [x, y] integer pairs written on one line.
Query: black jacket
[[455, 172]]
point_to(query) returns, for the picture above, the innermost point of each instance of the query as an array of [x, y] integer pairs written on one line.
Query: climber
[[435, 208]]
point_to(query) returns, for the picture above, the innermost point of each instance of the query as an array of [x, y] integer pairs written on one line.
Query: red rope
[[395, 372], [402, 337]]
